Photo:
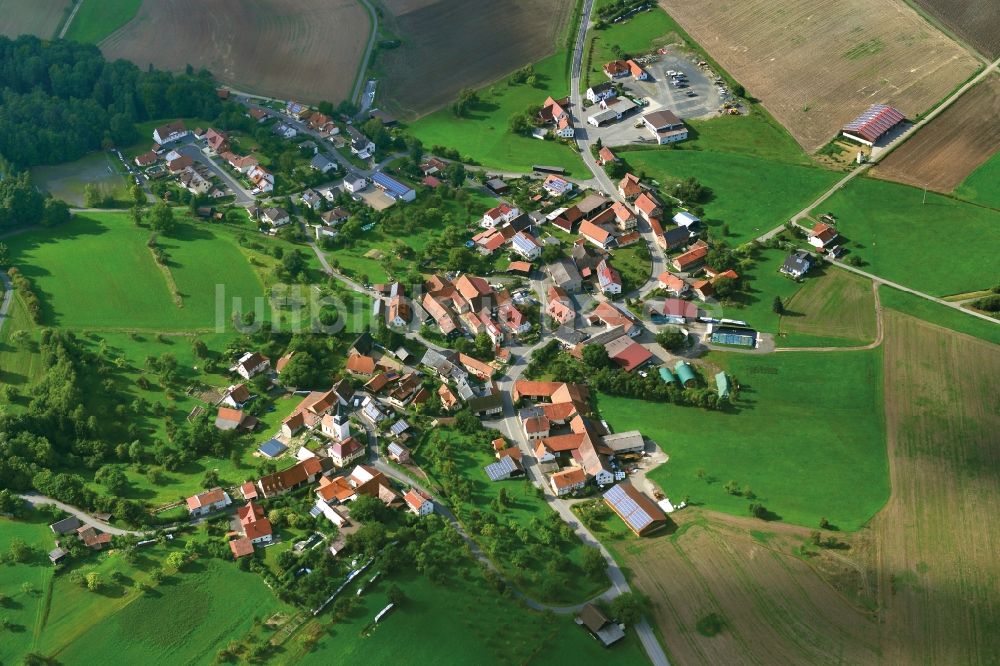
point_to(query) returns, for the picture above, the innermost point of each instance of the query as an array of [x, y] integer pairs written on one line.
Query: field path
[[35, 499], [359, 76], [879, 335], [69, 19]]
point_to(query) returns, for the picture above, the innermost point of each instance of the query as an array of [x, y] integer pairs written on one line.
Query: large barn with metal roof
[[873, 124]]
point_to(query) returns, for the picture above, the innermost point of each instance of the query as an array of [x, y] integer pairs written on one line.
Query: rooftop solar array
[[501, 470], [628, 509]]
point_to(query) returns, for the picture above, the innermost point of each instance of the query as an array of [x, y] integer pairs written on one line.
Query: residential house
[[476, 291], [236, 396], [217, 142], [432, 166], [636, 70], [690, 259], [299, 474], [647, 206], [526, 246], [672, 283], [256, 527], [359, 364], [512, 319], [346, 451], [665, 126], [285, 131], [418, 502], [797, 264], [498, 215], [310, 411], [372, 411], [475, 367], [193, 182], [170, 132], [568, 481], [556, 186], [241, 163], [361, 145], [599, 236], [536, 427], [609, 280], [297, 110], [322, 163], [399, 313], [624, 217], [448, 400], [565, 275], [601, 91], [354, 183], [261, 179], [559, 306], [146, 159], [617, 69], [629, 187], [605, 156], [179, 163], [675, 238], [206, 502], [822, 235], [251, 364], [260, 115], [398, 453], [613, 317], [275, 217]]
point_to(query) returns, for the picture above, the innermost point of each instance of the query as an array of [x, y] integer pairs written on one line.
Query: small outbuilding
[[685, 374]]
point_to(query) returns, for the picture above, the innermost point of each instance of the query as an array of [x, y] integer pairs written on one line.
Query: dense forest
[[60, 100]]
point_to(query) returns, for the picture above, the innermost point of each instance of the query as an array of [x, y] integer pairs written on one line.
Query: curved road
[[34, 499]]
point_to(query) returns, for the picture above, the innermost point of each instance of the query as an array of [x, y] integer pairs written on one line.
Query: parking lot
[[697, 95]]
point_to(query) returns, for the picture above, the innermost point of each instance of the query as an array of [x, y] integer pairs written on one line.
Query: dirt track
[[816, 64], [300, 49], [950, 147]]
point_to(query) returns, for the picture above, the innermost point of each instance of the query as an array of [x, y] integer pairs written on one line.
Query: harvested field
[[815, 64], [975, 21], [836, 304], [449, 45], [938, 542], [953, 145], [774, 606], [39, 17], [302, 49]]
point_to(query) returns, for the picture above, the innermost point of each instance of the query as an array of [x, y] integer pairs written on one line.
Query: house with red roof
[[599, 236], [608, 279], [672, 283], [498, 215], [629, 187], [616, 69], [648, 207], [690, 259], [624, 217], [822, 235], [874, 123], [560, 306], [204, 503], [606, 156], [636, 70], [418, 502]]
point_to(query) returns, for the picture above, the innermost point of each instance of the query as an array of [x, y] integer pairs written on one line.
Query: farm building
[[666, 375], [685, 219], [738, 337], [393, 188], [722, 384], [600, 626], [685, 373], [665, 126], [638, 511], [873, 124]]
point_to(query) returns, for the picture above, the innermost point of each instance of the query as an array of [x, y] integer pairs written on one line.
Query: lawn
[[469, 456], [749, 204], [67, 181], [802, 425], [98, 272], [484, 135], [939, 314], [461, 622], [96, 20], [25, 606], [981, 186], [941, 247]]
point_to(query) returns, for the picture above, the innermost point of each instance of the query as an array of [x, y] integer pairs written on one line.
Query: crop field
[[484, 135], [793, 454], [302, 49], [773, 607], [40, 17], [867, 53], [835, 304], [448, 45], [67, 181], [899, 236], [96, 20], [975, 21], [460, 622], [750, 206], [939, 314], [97, 272], [946, 150], [937, 542]]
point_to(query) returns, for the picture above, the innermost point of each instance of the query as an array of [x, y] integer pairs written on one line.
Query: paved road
[[35, 499], [192, 150], [368, 54], [69, 19]]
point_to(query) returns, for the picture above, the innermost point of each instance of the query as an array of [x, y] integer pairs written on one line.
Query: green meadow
[[942, 315], [97, 272], [795, 455], [484, 135], [96, 20], [940, 246], [982, 186]]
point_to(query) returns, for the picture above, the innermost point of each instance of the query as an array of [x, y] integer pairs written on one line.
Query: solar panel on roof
[[628, 509]]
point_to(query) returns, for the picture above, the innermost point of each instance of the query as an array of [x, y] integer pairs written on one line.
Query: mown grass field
[[982, 186], [836, 305], [793, 454], [96, 20], [940, 315], [19, 365], [97, 272], [458, 623], [940, 247], [25, 607], [484, 135], [778, 189]]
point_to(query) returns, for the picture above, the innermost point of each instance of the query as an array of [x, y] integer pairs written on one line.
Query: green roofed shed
[[666, 375], [685, 373], [722, 383]]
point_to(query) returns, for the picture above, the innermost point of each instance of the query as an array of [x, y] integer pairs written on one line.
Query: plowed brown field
[[975, 21], [951, 146], [816, 64], [37, 17], [919, 585], [299, 49], [453, 44]]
